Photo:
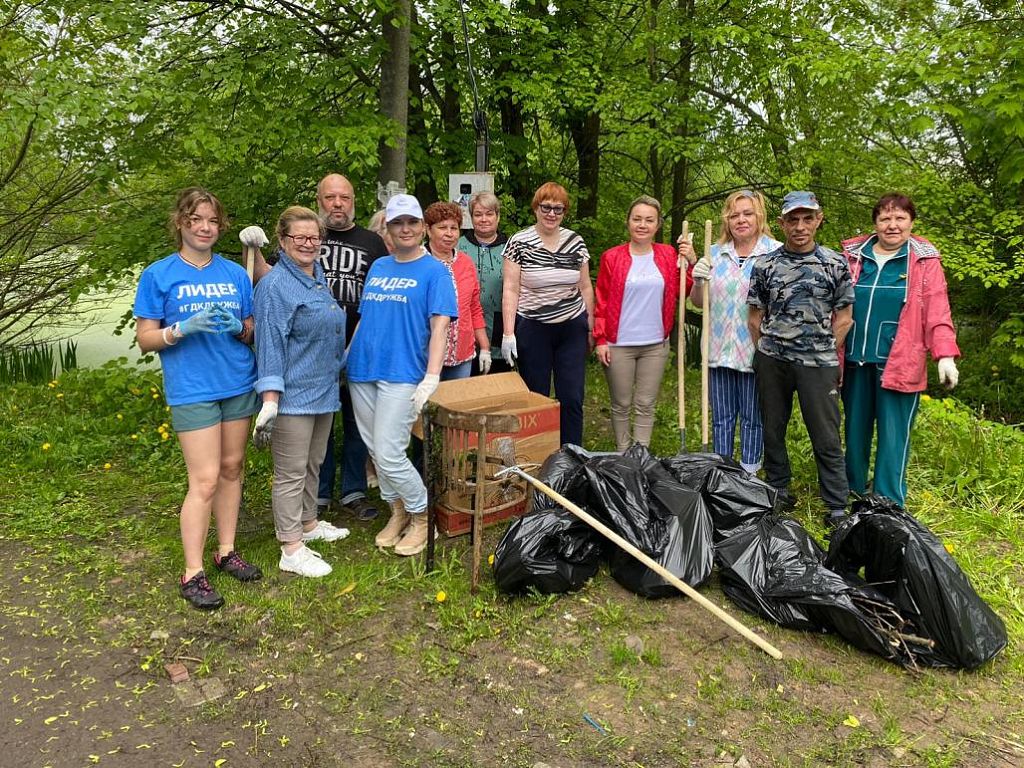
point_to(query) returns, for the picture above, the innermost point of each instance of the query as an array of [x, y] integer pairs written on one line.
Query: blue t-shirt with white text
[[399, 298], [202, 367]]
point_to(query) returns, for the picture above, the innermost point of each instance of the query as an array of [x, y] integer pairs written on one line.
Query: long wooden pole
[[671, 578], [705, 346], [681, 343]]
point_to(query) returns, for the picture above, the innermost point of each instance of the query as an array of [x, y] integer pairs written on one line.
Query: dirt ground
[[80, 691]]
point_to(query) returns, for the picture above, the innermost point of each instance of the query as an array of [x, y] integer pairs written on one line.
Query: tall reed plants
[[36, 362]]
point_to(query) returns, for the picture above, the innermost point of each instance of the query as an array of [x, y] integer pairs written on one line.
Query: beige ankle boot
[[414, 540], [392, 532]]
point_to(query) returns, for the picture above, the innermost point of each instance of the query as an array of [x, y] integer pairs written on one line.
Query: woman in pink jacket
[[637, 291], [469, 331], [900, 314]]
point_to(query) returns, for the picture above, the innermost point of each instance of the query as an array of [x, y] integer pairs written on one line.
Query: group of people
[[390, 310]]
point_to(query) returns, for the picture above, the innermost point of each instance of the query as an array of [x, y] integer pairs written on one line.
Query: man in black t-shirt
[[346, 253]]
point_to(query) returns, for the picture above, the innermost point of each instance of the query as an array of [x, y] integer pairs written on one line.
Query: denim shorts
[[186, 418]]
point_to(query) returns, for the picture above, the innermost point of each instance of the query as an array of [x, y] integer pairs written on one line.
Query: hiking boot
[[362, 509], [324, 531], [234, 565], [392, 532], [414, 540], [304, 562], [199, 593]]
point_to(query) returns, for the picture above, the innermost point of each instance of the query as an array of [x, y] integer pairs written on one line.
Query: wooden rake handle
[[671, 578]]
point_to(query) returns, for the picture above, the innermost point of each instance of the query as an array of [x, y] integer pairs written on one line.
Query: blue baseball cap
[[402, 205], [794, 200]]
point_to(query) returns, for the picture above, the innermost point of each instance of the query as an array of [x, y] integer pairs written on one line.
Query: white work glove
[[253, 237], [485, 361], [264, 424], [702, 270], [685, 250], [948, 373], [423, 391], [508, 349]]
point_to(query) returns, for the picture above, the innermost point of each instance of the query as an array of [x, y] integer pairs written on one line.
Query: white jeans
[[384, 415]]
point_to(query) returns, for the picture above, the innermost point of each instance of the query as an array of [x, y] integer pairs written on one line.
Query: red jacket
[[611, 283], [925, 322]]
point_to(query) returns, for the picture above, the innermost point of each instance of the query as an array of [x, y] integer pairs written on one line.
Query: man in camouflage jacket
[[801, 307]]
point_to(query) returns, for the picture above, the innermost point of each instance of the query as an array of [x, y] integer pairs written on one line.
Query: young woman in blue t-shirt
[[194, 307], [394, 365]]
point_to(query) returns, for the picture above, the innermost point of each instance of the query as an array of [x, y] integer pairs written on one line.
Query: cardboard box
[[538, 436]]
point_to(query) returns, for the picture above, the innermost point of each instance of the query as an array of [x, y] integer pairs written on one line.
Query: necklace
[[192, 263]]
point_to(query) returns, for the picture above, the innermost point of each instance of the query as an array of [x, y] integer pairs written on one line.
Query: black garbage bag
[[905, 561], [846, 607], [562, 471], [770, 551], [549, 550], [688, 553], [733, 497], [617, 495], [691, 469]]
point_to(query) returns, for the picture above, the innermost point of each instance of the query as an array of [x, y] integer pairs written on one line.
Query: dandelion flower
[[490, 559], [441, 596], [107, 465], [164, 436], [120, 417], [46, 446], [52, 384], [135, 437], [60, 395], [156, 396]]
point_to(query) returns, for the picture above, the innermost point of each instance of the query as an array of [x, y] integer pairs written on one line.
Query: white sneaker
[[305, 562], [324, 531]]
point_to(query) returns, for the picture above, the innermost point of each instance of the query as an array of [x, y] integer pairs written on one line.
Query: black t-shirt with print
[[346, 258]]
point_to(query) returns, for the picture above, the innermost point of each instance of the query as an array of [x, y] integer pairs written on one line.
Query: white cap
[[402, 205]]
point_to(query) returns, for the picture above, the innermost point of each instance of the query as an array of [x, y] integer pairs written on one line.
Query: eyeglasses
[[305, 239], [558, 210]]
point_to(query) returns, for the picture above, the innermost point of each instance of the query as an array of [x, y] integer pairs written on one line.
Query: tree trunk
[[684, 90], [585, 129], [394, 91]]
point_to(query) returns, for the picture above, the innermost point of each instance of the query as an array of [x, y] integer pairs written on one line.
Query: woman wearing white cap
[[394, 365]]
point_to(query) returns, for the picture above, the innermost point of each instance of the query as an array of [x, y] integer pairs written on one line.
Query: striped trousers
[[734, 396]]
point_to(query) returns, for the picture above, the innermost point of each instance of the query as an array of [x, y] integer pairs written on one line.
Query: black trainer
[[362, 509], [834, 517], [234, 565], [199, 593], [784, 501]]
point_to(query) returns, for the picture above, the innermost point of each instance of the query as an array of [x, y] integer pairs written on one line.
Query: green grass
[[89, 499]]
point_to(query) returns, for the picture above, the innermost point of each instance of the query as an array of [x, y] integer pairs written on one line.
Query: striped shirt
[[549, 289]]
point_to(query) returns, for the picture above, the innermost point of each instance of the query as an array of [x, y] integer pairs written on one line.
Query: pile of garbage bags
[[886, 584]]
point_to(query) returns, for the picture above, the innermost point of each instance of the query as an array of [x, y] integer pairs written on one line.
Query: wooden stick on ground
[[671, 578], [681, 343], [705, 346]]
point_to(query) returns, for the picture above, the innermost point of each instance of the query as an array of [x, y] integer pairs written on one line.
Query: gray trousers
[[298, 445]]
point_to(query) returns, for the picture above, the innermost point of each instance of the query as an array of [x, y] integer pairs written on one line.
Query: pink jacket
[[471, 314], [925, 322], [611, 285]]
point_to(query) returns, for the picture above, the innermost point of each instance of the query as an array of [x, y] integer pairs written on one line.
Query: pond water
[[93, 331]]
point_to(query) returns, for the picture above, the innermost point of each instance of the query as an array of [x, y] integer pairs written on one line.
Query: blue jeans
[[353, 459], [385, 416], [559, 348], [457, 371]]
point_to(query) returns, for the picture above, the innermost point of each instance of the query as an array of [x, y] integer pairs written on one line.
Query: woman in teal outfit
[[901, 312]]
